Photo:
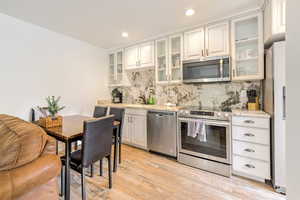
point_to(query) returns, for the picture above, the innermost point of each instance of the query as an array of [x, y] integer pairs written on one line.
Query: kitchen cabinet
[[251, 147], [205, 42], [169, 59], [140, 56], [135, 128], [194, 44], [247, 48], [274, 19], [217, 39], [116, 68]]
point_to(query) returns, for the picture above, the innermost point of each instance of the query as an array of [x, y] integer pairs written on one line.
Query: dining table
[[72, 131]]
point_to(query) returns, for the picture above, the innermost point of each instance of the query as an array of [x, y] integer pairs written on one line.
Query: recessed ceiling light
[[125, 34], [189, 12]]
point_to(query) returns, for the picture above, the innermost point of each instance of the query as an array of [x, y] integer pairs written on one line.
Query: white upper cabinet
[[213, 40], [217, 40], [194, 44], [274, 18], [247, 48], [146, 55], [139, 56], [175, 58], [168, 60], [116, 71], [161, 60], [131, 57]]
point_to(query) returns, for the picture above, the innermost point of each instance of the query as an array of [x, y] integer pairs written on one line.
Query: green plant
[[53, 106]]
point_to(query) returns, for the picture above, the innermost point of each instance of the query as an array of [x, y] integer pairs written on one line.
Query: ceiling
[[100, 22]]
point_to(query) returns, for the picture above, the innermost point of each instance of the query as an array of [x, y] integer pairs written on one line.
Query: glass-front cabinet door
[[116, 68], [119, 67], [112, 80], [162, 61], [248, 49], [169, 53], [175, 66]]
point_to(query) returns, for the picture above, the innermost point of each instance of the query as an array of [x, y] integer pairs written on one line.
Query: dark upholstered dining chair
[[100, 111], [96, 145], [118, 113], [118, 116]]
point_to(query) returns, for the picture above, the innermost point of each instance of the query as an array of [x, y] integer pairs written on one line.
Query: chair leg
[[101, 168], [56, 147], [120, 145], [92, 170], [75, 146], [115, 153], [83, 192], [109, 171], [62, 182]]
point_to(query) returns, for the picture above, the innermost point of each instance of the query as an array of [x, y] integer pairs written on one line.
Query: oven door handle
[[207, 122]]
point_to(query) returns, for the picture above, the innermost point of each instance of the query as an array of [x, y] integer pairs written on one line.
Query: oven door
[[217, 145], [214, 70]]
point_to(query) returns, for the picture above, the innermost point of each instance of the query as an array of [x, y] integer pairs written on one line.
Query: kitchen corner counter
[[141, 106], [248, 113]]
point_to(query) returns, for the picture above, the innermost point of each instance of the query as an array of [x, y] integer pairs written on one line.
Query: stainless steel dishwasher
[[162, 127]]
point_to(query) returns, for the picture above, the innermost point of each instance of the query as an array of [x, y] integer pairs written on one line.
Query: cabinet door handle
[[249, 135], [249, 150], [283, 102], [202, 52], [249, 121], [206, 52], [250, 166]]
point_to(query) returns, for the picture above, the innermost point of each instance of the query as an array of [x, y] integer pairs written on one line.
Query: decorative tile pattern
[[216, 95]]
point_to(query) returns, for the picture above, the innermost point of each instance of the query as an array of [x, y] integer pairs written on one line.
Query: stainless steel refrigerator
[[275, 105]]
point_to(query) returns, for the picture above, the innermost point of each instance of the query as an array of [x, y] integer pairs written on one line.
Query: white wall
[[293, 99], [36, 62]]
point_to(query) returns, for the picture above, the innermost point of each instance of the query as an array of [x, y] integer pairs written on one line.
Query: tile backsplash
[[213, 95]]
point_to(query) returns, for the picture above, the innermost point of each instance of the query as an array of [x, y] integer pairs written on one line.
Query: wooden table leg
[[67, 170]]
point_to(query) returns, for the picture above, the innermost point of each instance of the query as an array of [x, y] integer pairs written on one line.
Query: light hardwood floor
[[146, 176]]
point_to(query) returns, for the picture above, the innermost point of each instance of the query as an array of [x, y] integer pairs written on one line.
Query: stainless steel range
[[204, 139]]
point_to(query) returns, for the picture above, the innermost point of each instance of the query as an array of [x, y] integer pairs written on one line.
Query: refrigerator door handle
[[283, 102]]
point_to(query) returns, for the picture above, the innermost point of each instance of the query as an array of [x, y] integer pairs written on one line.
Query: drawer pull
[[249, 121], [250, 166], [249, 135], [249, 150]]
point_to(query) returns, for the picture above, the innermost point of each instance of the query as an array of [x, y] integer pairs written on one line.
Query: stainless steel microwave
[[211, 70]]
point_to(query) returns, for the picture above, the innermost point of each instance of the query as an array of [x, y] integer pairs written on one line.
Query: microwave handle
[[221, 68]]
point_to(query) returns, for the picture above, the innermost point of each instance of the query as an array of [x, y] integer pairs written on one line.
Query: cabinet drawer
[[257, 122], [132, 111], [255, 151], [251, 167], [256, 135]]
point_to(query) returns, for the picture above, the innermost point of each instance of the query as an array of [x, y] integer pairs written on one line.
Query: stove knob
[[226, 115], [219, 114]]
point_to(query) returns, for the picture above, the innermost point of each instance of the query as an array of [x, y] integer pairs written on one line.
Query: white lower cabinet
[[135, 128], [251, 147]]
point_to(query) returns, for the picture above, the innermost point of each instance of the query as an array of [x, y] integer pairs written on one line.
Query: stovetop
[[206, 113]]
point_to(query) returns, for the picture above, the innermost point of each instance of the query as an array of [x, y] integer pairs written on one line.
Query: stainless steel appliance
[[211, 70], [212, 154], [162, 132], [275, 105]]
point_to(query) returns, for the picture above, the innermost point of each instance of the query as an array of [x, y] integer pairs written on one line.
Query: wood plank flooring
[[146, 176]]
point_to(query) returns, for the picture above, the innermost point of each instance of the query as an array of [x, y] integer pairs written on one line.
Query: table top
[[72, 128]]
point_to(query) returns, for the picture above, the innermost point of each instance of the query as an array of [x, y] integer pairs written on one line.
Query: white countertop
[[142, 106], [247, 113]]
